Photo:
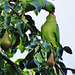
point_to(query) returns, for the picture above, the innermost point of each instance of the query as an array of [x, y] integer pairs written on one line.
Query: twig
[[13, 10], [39, 50], [60, 69], [11, 63], [68, 69], [46, 41], [43, 40]]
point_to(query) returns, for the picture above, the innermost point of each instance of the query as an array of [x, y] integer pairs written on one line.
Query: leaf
[[17, 40], [23, 0], [18, 60], [36, 12], [67, 49], [1, 62], [7, 21], [6, 6], [36, 4], [43, 3], [38, 64], [31, 25], [31, 64], [39, 58], [34, 42], [1, 23], [62, 65], [17, 7], [25, 41], [46, 45], [10, 54], [73, 72], [21, 47], [21, 27], [24, 63], [13, 38], [23, 4], [60, 52], [24, 19]]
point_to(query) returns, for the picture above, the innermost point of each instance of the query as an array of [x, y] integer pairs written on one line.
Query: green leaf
[[62, 65], [1, 62], [7, 21], [36, 4], [6, 6], [21, 47], [23, 4], [38, 64], [1, 20], [60, 52], [21, 28], [24, 63], [46, 45], [13, 38], [18, 60], [43, 3], [33, 43], [39, 58], [17, 6], [36, 12], [31, 25], [73, 72], [25, 41], [67, 49], [10, 54]]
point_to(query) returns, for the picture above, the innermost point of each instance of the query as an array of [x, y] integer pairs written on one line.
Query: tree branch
[[11, 63], [62, 68], [44, 40], [13, 10], [68, 69]]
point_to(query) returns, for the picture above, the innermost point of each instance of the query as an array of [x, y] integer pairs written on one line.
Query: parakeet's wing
[[57, 34]]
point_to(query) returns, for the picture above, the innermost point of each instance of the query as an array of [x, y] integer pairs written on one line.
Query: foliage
[[14, 21]]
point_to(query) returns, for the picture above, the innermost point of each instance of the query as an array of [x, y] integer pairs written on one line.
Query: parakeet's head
[[50, 7]]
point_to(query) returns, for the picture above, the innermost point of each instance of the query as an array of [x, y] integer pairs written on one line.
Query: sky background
[[65, 17]]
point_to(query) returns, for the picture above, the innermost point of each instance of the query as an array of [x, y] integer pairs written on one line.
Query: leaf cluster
[[14, 21]]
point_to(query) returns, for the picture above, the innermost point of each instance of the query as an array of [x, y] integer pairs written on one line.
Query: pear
[[51, 60], [5, 42]]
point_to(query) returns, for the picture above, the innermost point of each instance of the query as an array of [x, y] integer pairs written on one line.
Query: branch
[[68, 69], [46, 41], [11, 63], [62, 68], [13, 10]]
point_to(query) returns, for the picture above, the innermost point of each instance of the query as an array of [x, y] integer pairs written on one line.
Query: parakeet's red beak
[[53, 12]]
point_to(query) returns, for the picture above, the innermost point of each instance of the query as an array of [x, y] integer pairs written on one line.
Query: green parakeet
[[50, 30]]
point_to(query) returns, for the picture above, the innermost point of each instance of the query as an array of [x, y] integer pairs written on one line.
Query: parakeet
[[50, 30]]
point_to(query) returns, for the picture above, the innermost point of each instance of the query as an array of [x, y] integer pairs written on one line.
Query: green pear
[[5, 41]]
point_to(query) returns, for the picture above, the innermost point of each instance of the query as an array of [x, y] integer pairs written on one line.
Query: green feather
[[49, 6], [50, 30]]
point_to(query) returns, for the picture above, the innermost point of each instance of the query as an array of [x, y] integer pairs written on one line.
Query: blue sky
[[65, 16]]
